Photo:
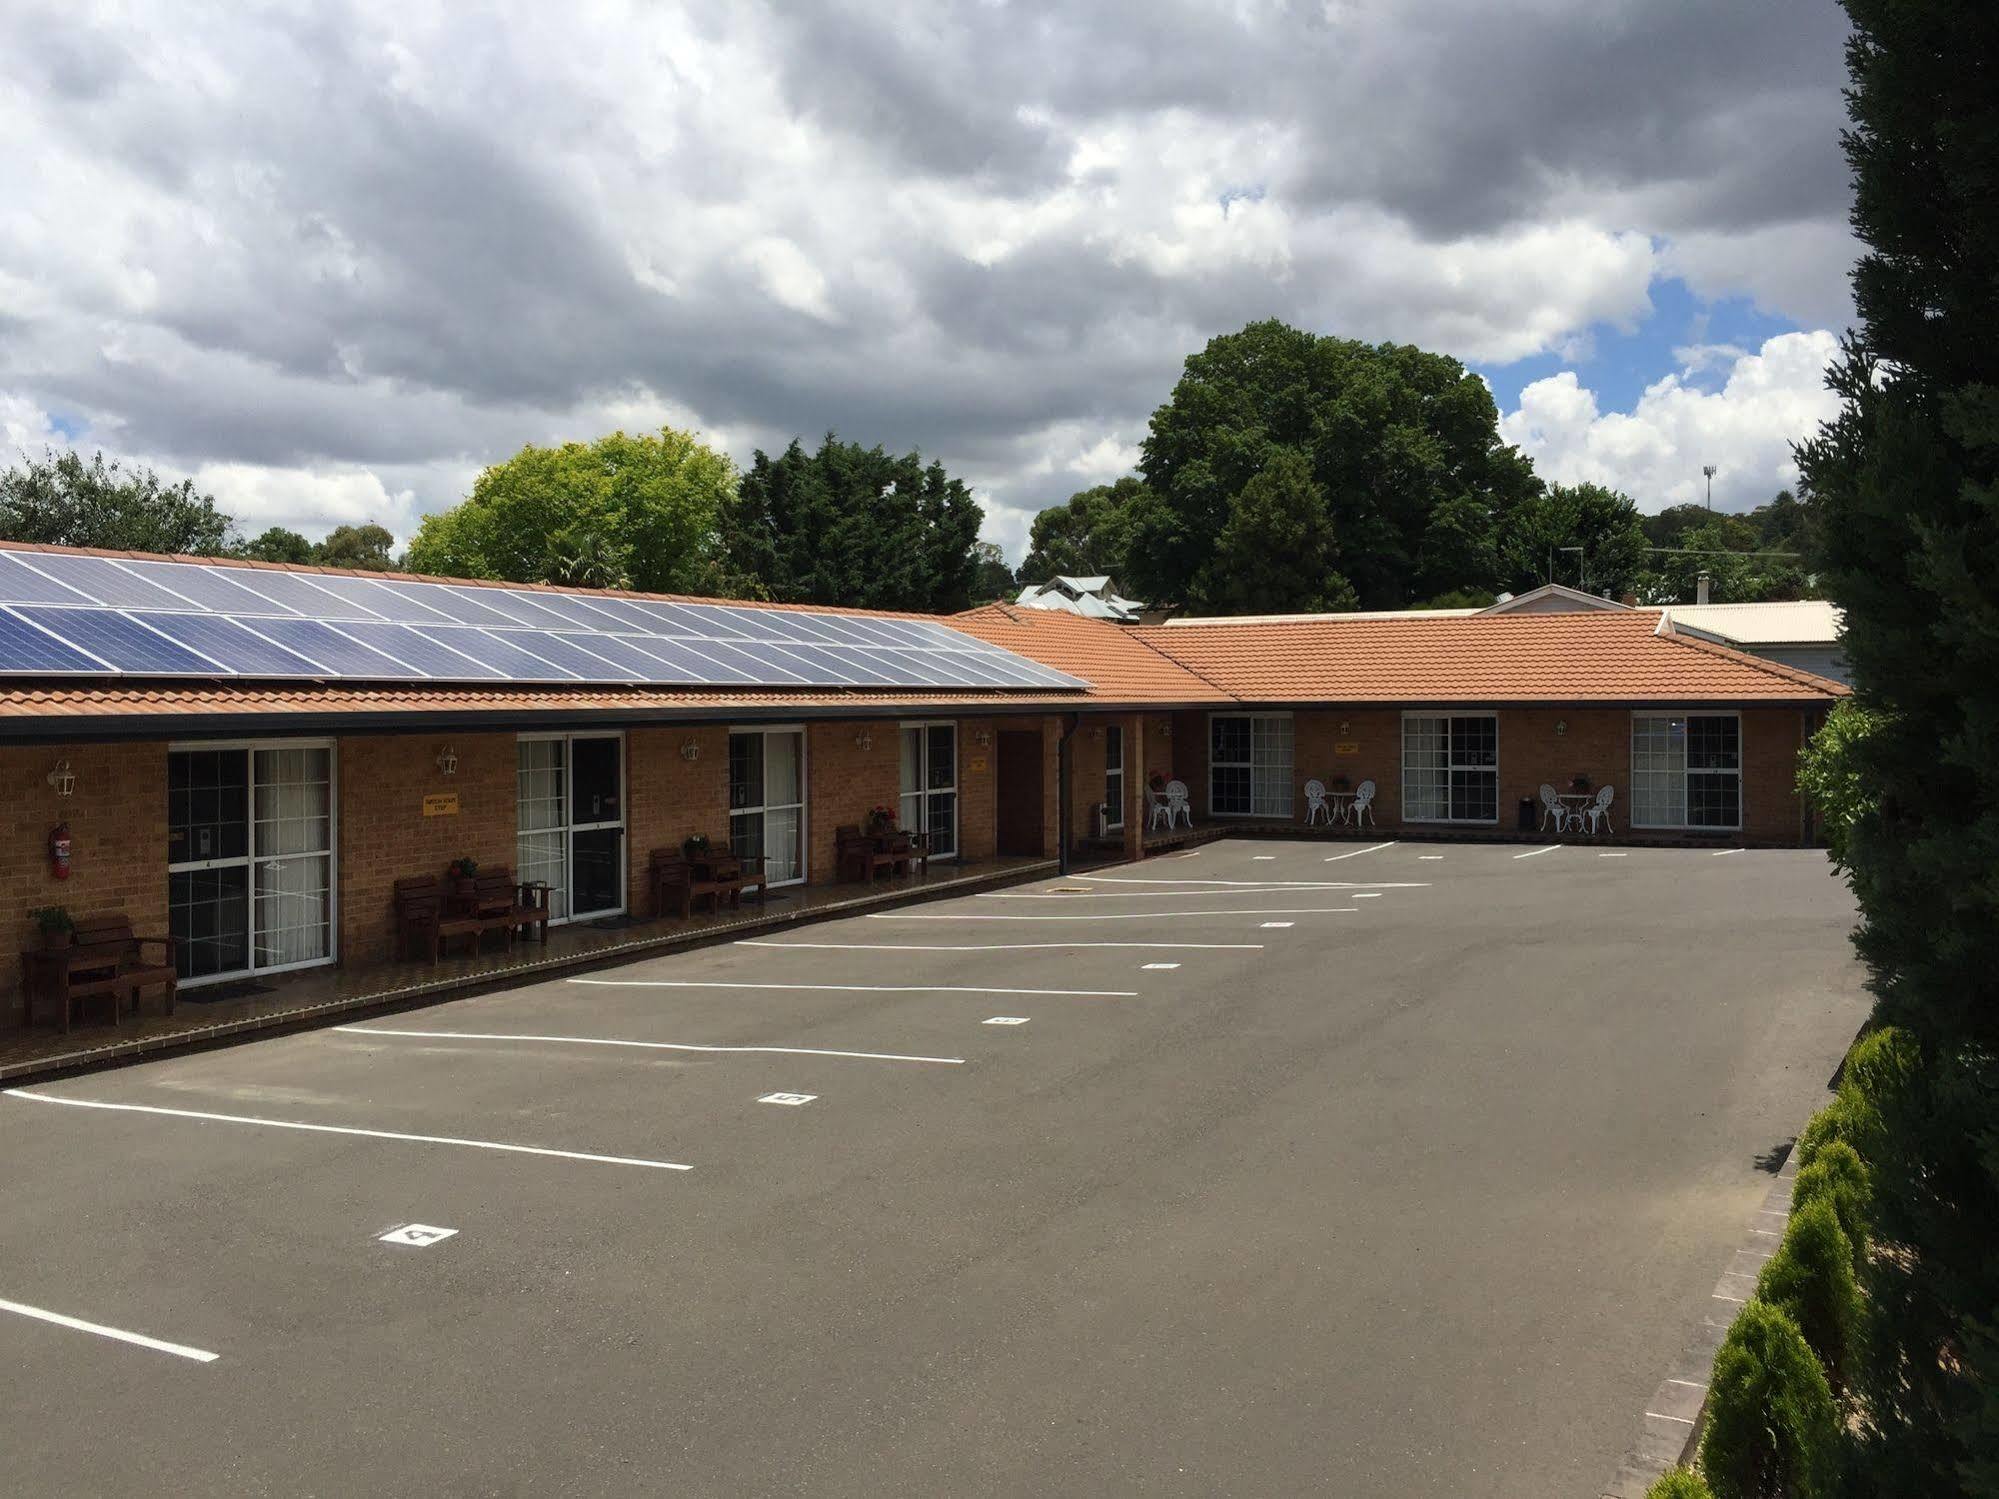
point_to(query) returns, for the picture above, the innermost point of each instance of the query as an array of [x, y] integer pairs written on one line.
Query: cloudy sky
[[333, 258]]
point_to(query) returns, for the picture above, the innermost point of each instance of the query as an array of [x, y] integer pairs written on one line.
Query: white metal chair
[[1552, 810], [1363, 804], [1315, 804], [1598, 811], [1177, 805], [1158, 809]]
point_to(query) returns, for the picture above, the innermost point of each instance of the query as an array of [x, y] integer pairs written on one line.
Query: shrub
[[1838, 1178], [1833, 1122], [1680, 1483], [1772, 1428], [1810, 1279]]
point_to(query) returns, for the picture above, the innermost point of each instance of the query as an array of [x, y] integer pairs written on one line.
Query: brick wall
[[846, 782], [668, 797], [117, 820], [978, 788]]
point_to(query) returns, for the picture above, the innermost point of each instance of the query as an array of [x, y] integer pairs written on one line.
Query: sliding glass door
[[570, 808], [250, 858], [767, 800], [930, 785]]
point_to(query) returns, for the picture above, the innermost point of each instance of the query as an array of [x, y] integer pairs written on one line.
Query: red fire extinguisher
[[59, 850]]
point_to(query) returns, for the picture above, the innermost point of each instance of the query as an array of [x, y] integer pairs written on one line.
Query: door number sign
[[794, 1099]]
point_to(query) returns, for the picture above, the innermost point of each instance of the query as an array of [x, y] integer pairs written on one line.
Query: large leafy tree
[[1907, 476], [1403, 444], [853, 525], [991, 577], [1276, 552], [62, 500], [276, 544], [1584, 535], [1086, 535], [652, 501], [365, 546]]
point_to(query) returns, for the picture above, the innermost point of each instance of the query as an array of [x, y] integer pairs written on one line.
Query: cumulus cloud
[[1655, 452], [347, 254]]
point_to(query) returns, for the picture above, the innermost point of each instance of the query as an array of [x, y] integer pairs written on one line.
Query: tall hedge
[[1838, 1178], [1810, 1279], [1772, 1429], [1907, 477]]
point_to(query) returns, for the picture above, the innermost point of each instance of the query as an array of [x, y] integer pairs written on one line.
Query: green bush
[[1810, 1279], [1772, 1428], [1833, 1122], [1838, 1177], [1680, 1483]]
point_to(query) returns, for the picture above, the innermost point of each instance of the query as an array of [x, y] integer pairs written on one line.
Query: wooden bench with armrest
[[103, 959], [518, 907], [862, 853], [678, 881], [424, 922]]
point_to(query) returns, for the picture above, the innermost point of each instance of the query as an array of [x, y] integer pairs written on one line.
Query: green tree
[[61, 500], [276, 544], [853, 525], [1603, 524], [1393, 435], [365, 547], [654, 498], [1276, 553], [1907, 480], [991, 577], [1772, 1428], [584, 559], [1086, 535]]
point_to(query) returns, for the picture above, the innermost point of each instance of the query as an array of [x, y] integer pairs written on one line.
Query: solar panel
[[112, 615], [125, 644], [25, 648]]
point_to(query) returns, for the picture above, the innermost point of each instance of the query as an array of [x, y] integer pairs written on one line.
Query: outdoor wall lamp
[[1561, 726], [1345, 727], [447, 761], [983, 738], [864, 741], [63, 779], [690, 751]]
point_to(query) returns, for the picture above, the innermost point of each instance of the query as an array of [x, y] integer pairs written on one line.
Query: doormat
[[209, 994]]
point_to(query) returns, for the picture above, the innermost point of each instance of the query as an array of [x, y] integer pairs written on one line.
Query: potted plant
[[57, 928], [461, 872], [694, 846], [881, 822], [1579, 783], [1157, 780], [1340, 783]]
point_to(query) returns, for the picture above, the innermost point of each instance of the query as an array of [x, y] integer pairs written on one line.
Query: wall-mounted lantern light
[[1345, 727], [983, 738], [63, 779], [864, 741], [690, 751], [447, 761], [1561, 726]]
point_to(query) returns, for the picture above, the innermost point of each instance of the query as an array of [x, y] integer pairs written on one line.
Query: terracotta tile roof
[[1120, 663], [1615, 656]]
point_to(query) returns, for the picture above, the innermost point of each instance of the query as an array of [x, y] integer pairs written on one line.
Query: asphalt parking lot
[[1397, 1170]]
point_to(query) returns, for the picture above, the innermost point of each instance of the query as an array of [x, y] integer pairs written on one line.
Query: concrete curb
[[430, 991], [1671, 1428]]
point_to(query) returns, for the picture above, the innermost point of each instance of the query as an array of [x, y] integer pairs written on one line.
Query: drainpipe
[[1075, 721]]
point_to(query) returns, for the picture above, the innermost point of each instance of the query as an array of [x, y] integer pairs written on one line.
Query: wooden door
[[1020, 792]]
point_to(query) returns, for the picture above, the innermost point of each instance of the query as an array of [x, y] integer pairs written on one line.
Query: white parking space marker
[[1002, 946], [780, 1051], [1005, 1020], [790, 1100], [1112, 879], [1280, 923], [345, 1129], [417, 1235], [136, 1339], [1262, 858], [1158, 967], [876, 988], [1356, 853], [1100, 916], [1429, 858], [1272, 889], [1722, 853], [1366, 895], [1533, 851], [1610, 856]]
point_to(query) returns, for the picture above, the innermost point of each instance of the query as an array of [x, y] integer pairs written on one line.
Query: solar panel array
[[70, 615]]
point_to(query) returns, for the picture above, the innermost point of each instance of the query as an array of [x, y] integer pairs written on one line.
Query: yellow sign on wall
[[441, 804], [976, 763], [1346, 747]]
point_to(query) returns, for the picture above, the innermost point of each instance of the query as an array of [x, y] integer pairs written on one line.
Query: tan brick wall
[[384, 835], [845, 782], [117, 820], [669, 798], [978, 788]]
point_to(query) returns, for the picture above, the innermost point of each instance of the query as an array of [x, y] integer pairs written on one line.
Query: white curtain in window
[[293, 855]]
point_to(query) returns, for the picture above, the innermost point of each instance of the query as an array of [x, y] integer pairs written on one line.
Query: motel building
[[247, 757]]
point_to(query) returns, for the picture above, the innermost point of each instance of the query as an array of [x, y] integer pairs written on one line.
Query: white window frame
[[922, 796], [1451, 766], [1686, 796], [1290, 792], [570, 827], [804, 791], [249, 859], [1114, 796]]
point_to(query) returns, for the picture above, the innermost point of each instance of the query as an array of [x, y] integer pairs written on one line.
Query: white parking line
[[1429, 858], [1280, 923], [1112, 879], [1533, 851], [343, 1129], [1286, 888], [870, 988], [1158, 967], [1722, 853], [1005, 1020], [1261, 858], [1359, 851], [1001, 946], [1610, 856], [1103, 916], [137, 1339], [779, 1051]]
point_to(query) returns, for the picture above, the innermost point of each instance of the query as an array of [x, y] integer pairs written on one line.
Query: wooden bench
[[104, 959], [677, 881], [860, 852], [499, 900], [424, 923]]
